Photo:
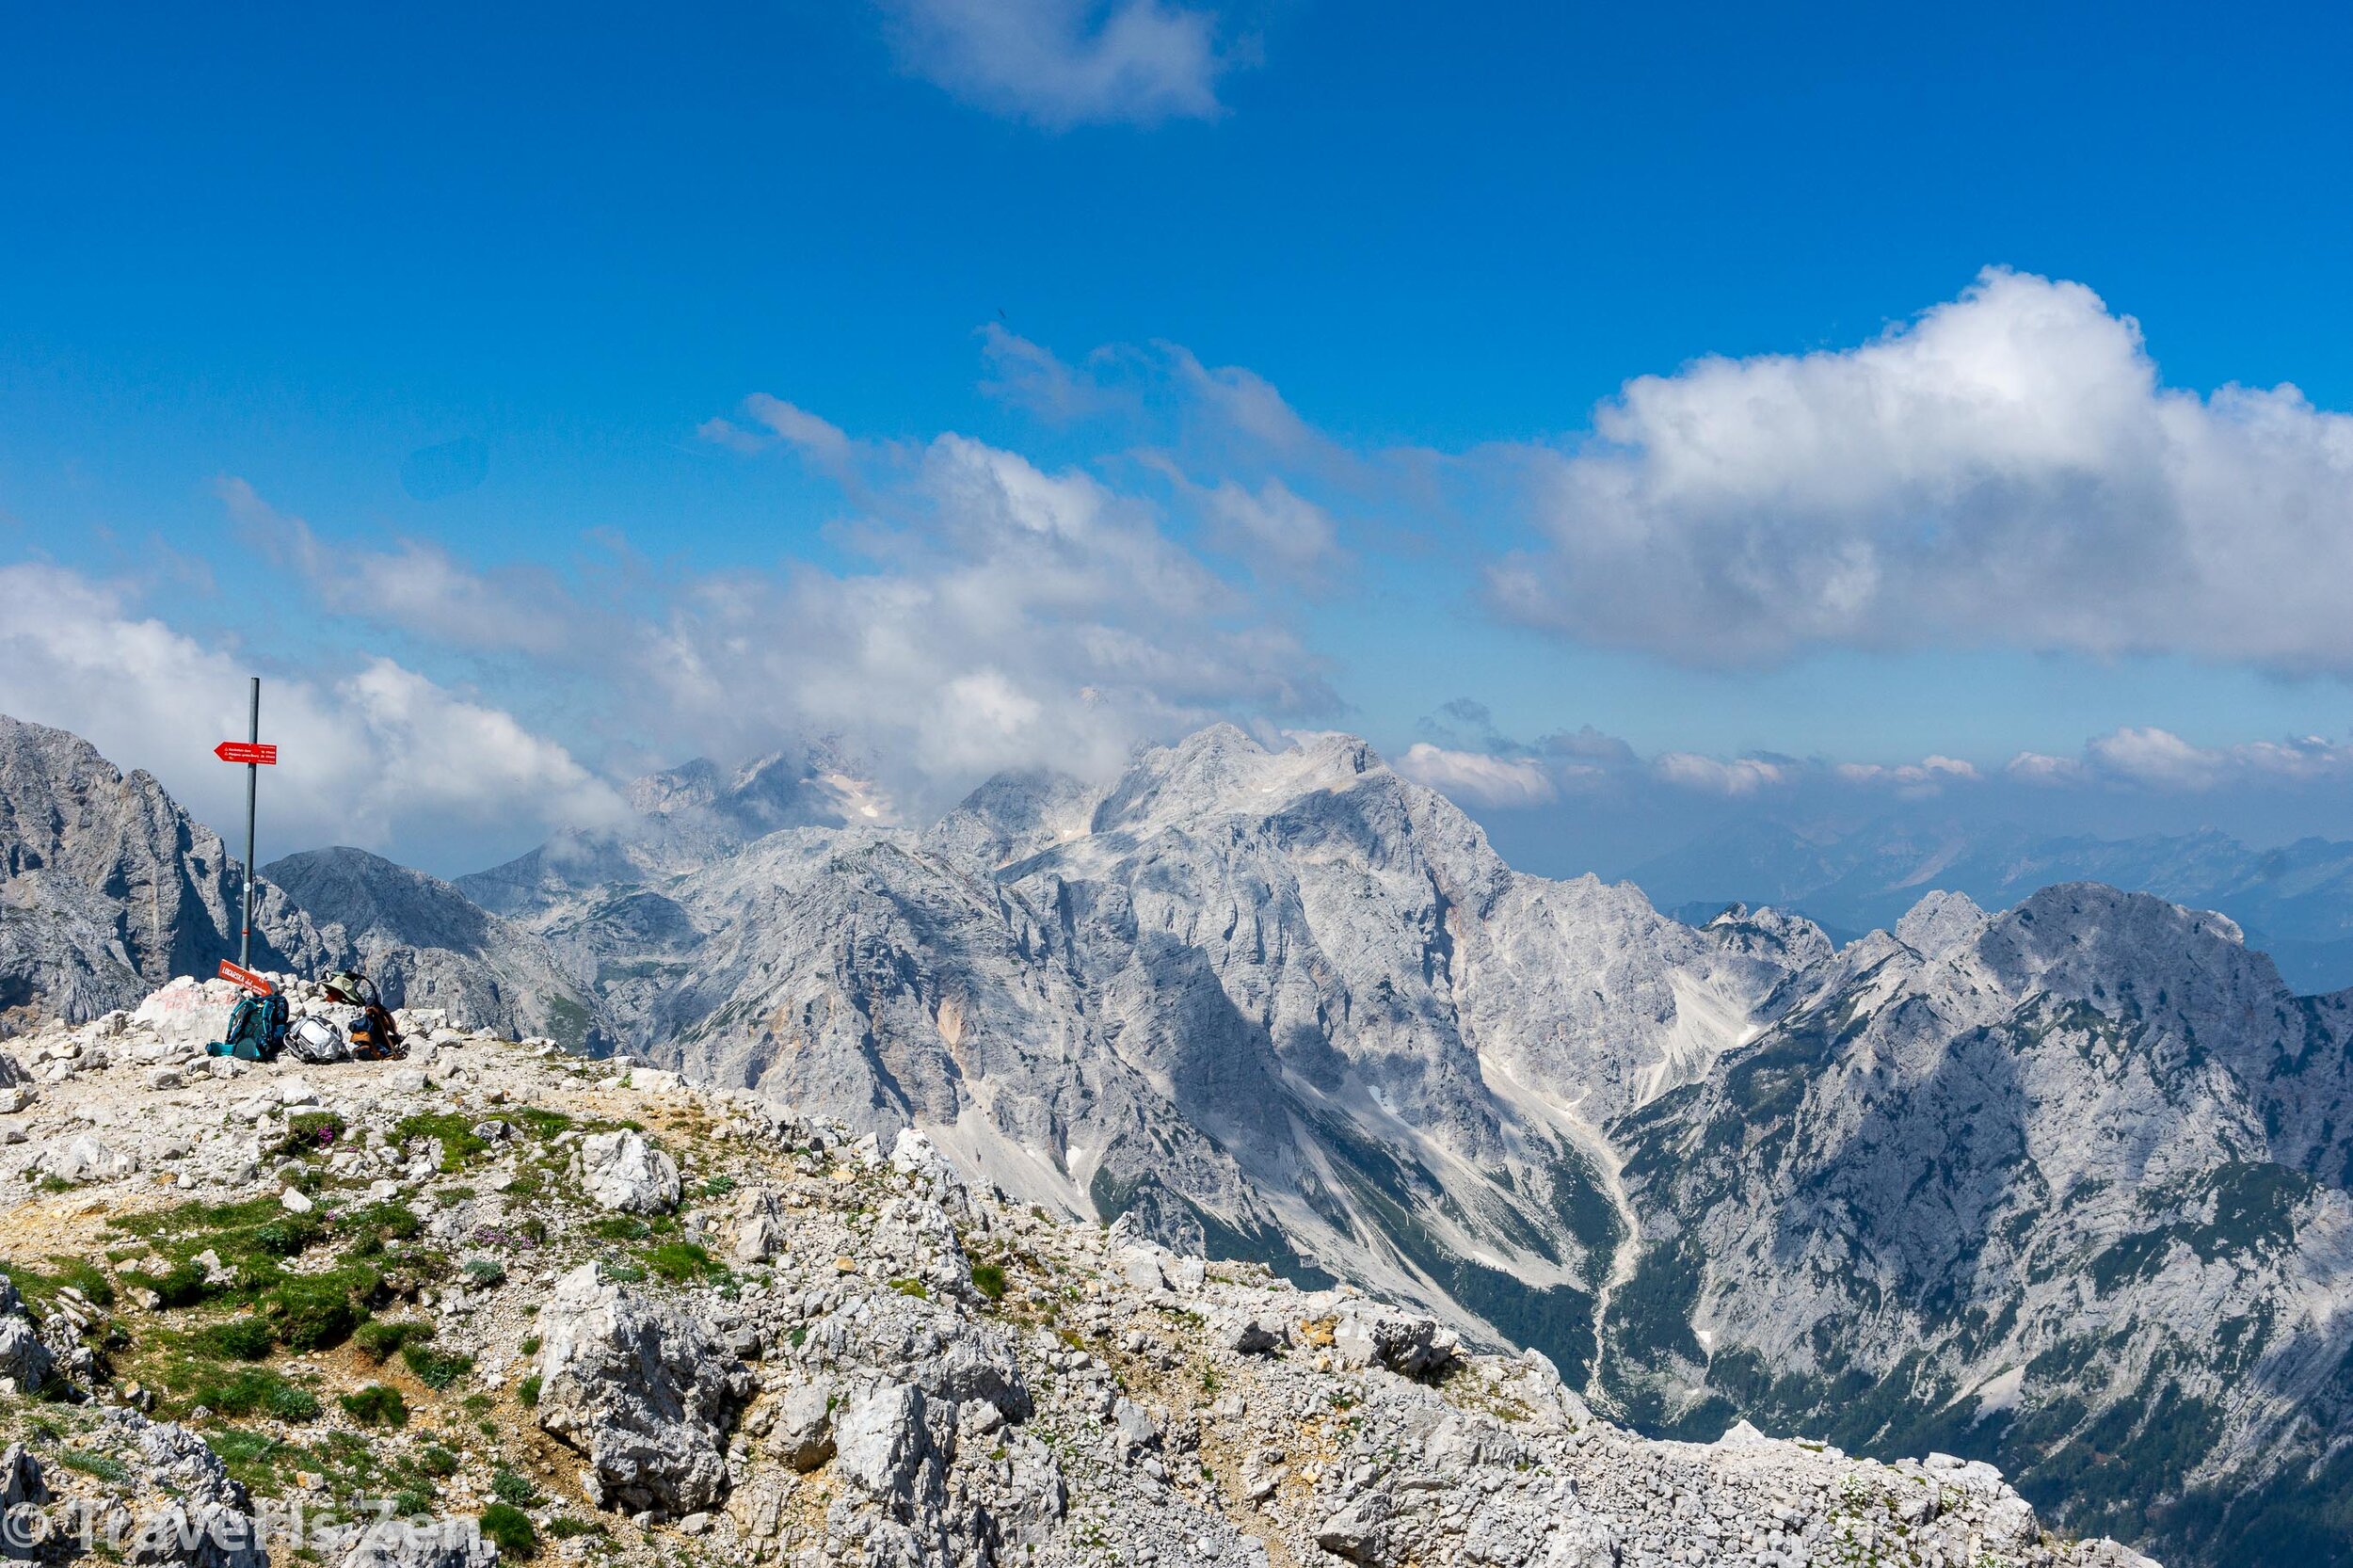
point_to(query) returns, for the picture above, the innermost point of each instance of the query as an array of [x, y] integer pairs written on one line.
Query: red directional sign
[[246, 978], [245, 751]]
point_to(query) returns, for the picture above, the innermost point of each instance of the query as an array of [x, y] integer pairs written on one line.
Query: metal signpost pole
[[252, 773]]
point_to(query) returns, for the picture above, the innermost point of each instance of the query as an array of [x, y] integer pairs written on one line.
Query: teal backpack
[[257, 1027]]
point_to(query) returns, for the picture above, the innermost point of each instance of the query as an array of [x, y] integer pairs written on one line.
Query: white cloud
[[1476, 778], [2158, 760], [1011, 617], [415, 586], [1279, 534], [1059, 63], [1924, 778], [362, 758], [2005, 471], [1032, 377], [1740, 775]]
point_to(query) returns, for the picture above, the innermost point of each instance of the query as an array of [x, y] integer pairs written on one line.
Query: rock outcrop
[[645, 1392], [922, 1371]]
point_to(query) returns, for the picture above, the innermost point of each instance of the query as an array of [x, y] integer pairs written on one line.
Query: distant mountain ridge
[[686, 816], [2064, 1187], [2295, 901]]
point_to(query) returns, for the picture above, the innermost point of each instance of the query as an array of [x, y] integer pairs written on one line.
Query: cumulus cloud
[[1715, 776], [1009, 617], [1279, 534], [1477, 778], [2006, 469], [364, 755], [2158, 760], [1059, 63], [1926, 777]]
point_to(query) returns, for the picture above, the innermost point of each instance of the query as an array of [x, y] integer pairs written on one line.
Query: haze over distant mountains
[[2295, 901], [2065, 1187]]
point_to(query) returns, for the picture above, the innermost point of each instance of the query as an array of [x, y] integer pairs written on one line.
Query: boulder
[[24, 1359], [803, 1434], [208, 1535], [1134, 1427], [621, 1171], [759, 1228], [188, 1012], [1360, 1531], [1408, 1343], [84, 1159], [642, 1389], [1246, 1332], [883, 1443], [21, 1480]]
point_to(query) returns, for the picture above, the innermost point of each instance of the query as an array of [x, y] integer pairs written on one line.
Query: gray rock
[[1248, 1332], [803, 1434], [21, 1480], [1359, 1531], [882, 1443], [759, 1228], [82, 1158], [622, 1171], [209, 1535], [1411, 1344], [642, 1389]]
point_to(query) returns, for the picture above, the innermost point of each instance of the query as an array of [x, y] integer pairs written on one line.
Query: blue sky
[[1154, 360]]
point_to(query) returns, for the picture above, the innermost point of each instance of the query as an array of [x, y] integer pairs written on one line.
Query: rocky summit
[[2061, 1188], [495, 1301]]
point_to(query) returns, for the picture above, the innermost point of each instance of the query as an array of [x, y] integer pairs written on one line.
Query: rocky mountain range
[[2062, 1186], [109, 888], [2295, 901]]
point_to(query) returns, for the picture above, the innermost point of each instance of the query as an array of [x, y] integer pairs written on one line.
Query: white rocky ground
[[672, 1325]]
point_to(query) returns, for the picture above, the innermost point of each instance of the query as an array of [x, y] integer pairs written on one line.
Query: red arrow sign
[[245, 751], [246, 978]]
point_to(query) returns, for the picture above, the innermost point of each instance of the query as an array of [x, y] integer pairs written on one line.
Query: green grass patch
[[439, 1370], [377, 1406], [508, 1487], [41, 1286], [509, 1530], [312, 1312], [382, 1338], [680, 1261], [239, 1338], [542, 1124], [566, 1527], [455, 1132], [247, 1391], [103, 1467], [253, 1241], [527, 1392], [990, 1280], [620, 1228], [915, 1288], [310, 1132]]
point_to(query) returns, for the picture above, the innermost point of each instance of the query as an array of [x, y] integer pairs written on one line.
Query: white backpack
[[311, 1038]]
